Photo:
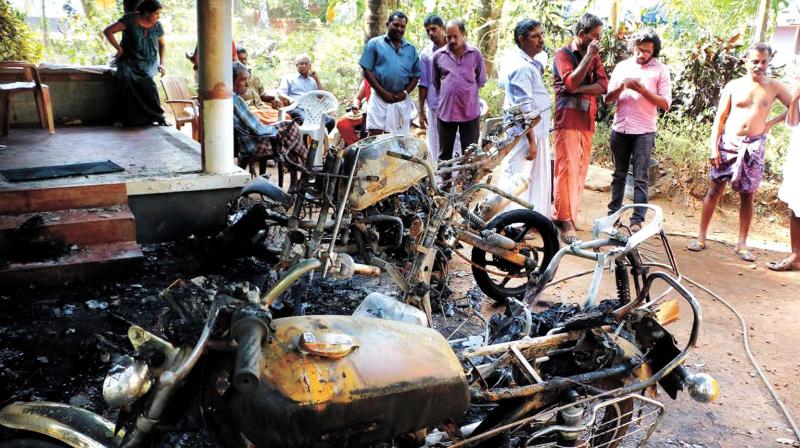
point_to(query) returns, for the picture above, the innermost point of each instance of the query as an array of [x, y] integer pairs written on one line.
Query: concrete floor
[[167, 190], [142, 152]]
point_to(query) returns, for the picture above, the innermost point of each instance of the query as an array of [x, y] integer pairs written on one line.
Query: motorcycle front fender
[[265, 187], [71, 425]]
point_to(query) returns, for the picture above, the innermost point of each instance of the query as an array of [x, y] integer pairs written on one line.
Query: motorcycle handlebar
[[249, 333]]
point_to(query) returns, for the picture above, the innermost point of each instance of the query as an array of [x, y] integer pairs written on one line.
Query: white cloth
[[538, 170], [393, 118], [521, 78], [432, 133], [789, 191]]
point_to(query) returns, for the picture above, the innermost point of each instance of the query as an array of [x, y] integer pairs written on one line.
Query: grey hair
[[238, 69], [460, 24], [761, 47]]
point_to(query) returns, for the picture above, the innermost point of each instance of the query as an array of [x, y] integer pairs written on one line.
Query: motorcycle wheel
[[518, 225]]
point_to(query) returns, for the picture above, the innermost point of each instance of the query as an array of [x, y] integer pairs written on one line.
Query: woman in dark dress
[[139, 57]]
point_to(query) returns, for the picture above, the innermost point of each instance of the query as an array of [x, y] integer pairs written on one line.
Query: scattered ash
[[475, 297], [552, 317], [330, 296], [57, 343]]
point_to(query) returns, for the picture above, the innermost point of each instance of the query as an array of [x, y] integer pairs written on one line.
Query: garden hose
[[742, 321], [750, 356]]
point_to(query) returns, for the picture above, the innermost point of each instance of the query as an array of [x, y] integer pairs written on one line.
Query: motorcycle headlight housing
[[702, 387], [126, 381]]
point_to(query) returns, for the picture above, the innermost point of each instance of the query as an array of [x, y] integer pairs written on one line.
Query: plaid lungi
[[742, 162], [288, 142]]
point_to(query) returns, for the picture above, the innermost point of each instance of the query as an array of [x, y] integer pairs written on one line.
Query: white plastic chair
[[315, 104]]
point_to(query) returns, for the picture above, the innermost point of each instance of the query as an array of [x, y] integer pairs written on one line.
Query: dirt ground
[[744, 415], [55, 343]]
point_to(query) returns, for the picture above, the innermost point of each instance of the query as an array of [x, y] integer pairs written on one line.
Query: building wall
[[785, 43]]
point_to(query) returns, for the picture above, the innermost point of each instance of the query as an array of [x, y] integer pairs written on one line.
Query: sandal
[[783, 266], [569, 236], [696, 246], [745, 255]]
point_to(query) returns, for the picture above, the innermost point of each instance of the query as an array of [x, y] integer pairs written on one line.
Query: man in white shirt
[[295, 85], [520, 75]]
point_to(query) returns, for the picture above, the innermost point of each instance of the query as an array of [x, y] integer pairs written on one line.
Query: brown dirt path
[[744, 415]]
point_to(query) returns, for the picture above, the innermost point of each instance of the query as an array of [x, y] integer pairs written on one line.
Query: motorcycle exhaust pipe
[[493, 204]]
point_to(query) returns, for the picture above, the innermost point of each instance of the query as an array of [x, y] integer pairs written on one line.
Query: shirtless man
[[737, 142]]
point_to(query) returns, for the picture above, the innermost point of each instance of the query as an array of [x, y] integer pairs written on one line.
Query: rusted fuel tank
[[379, 175], [340, 380]]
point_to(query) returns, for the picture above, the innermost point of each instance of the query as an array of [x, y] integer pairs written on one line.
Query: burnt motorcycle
[[586, 380], [379, 199]]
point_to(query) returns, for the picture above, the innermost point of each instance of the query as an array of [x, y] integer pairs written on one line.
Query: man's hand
[[634, 85], [119, 54], [423, 119], [313, 74], [386, 96], [162, 70], [593, 48], [532, 150], [399, 96], [716, 158]]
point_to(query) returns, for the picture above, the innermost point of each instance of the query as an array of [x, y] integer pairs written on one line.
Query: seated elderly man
[[263, 104], [255, 139], [294, 85]]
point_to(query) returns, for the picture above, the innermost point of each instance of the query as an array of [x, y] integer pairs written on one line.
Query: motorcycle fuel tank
[[377, 174], [341, 380]]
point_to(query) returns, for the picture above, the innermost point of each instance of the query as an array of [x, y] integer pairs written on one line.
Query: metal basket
[[624, 422]]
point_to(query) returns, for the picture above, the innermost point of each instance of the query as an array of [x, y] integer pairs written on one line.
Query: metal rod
[[340, 211], [290, 277]]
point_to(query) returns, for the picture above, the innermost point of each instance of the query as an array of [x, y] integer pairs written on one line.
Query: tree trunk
[[488, 31], [613, 15], [44, 23], [374, 19], [762, 16]]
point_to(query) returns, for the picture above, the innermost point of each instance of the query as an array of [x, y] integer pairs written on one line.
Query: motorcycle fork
[[327, 191], [419, 291]]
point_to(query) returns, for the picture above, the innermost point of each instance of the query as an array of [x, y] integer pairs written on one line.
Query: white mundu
[[790, 187]]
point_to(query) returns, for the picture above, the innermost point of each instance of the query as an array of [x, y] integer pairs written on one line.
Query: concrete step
[[97, 261], [15, 202], [83, 226]]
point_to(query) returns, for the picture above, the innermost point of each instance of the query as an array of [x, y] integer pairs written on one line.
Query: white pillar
[[216, 84]]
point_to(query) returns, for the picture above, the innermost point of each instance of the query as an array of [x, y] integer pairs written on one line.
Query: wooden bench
[[33, 84]]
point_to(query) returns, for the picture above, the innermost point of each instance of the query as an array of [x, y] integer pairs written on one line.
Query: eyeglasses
[[643, 52]]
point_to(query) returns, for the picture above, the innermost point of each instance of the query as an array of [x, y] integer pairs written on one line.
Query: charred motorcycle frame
[[324, 381], [379, 199]]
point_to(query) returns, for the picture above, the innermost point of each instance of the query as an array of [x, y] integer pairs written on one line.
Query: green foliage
[[707, 65], [17, 43], [694, 18], [82, 41]]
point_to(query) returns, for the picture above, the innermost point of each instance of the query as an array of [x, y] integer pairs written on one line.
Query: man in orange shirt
[[578, 77]]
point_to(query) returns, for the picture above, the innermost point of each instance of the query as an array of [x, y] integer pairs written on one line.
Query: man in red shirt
[[578, 77]]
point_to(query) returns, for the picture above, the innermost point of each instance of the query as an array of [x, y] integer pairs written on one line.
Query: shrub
[[708, 64], [16, 41]]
